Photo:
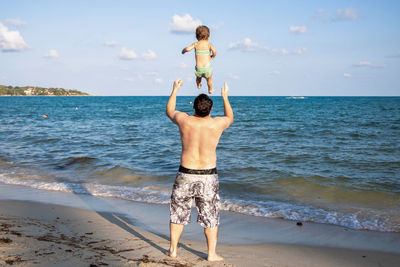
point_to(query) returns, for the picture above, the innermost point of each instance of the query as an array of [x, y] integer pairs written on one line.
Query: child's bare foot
[[198, 82], [215, 257], [211, 90]]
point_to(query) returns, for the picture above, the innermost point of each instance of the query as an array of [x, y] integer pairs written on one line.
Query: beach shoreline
[[82, 229], [47, 235]]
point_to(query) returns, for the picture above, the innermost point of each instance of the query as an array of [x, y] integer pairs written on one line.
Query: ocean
[[333, 160]]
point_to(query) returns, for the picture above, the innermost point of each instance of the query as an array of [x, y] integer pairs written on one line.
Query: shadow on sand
[[123, 222]]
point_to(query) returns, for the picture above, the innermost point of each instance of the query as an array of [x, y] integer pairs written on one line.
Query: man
[[197, 176]]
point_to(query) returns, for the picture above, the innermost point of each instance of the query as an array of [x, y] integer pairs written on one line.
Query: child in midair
[[203, 56]]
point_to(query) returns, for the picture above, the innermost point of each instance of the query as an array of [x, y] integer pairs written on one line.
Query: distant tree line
[[37, 91]]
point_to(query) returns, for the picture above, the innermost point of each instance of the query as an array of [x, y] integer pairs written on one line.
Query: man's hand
[[178, 83], [227, 119], [225, 90], [175, 115]]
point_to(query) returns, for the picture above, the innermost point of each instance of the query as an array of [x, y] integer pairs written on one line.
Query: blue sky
[[263, 47]]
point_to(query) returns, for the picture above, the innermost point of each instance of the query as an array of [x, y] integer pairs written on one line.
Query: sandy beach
[[37, 234]]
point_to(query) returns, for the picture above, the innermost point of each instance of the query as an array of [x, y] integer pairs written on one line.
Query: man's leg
[[176, 231], [211, 235]]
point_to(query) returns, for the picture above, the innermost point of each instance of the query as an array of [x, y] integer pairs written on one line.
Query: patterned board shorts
[[202, 185]]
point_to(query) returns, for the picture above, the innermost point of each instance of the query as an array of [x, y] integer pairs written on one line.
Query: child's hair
[[202, 32]]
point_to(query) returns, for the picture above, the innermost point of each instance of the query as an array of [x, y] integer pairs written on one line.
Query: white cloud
[[321, 15], [184, 24], [51, 54], [298, 29], [285, 52], [158, 80], [138, 76], [183, 65], [347, 75], [127, 54], [340, 15], [149, 54], [275, 72], [111, 43], [233, 76], [320, 11], [151, 73], [346, 14], [299, 51], [217, 26], [11, 41], [15, 22], [247, 45], [368, 64], [363, 64]]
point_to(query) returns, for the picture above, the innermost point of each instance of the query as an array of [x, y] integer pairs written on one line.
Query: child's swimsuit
[[202, 71], [202, 185]]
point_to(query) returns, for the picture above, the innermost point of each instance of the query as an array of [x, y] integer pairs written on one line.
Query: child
[[202, 53]]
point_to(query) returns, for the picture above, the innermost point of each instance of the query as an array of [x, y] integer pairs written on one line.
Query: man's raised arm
[[173, 114], [228, 112]]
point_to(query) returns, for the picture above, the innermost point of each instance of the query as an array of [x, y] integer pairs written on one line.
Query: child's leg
[[210, 85], [198, 82]]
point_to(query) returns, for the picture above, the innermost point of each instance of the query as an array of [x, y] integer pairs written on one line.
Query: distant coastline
[[38, 91]]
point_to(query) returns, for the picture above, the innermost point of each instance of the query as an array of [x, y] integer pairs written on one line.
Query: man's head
[[202, 33], [202, 105]]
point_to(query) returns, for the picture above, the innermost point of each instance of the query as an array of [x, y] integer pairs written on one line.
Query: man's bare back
[[199, 138]]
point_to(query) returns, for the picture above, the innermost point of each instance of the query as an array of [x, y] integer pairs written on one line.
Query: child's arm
[[214, 52], [188, 48]]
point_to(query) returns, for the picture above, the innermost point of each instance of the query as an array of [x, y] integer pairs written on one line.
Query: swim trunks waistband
[[190, 171], [202, 68]]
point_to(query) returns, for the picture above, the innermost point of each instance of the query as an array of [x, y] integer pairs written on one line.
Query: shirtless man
[[197, 176]]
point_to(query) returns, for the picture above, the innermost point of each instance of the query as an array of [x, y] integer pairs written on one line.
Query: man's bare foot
[[215, 257], [172, 254], [198, 85], [210, 90]]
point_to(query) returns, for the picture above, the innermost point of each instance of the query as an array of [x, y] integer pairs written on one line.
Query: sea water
[[332, 160]]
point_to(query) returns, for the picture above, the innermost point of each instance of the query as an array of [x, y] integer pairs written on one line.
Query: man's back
[[199, 136]]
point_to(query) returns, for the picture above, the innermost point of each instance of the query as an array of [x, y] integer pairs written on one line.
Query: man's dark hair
[[202, 105], [202, 32]]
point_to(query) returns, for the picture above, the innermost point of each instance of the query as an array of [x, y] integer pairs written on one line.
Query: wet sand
[[37, 234]]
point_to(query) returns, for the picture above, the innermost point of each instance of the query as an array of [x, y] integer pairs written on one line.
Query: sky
[[264, 48]]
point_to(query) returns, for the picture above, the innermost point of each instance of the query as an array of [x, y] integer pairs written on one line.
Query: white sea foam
[[270, 209], [291, 211], [129, 193]]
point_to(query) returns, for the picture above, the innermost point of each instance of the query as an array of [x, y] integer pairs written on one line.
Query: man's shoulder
[[178, 117]]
